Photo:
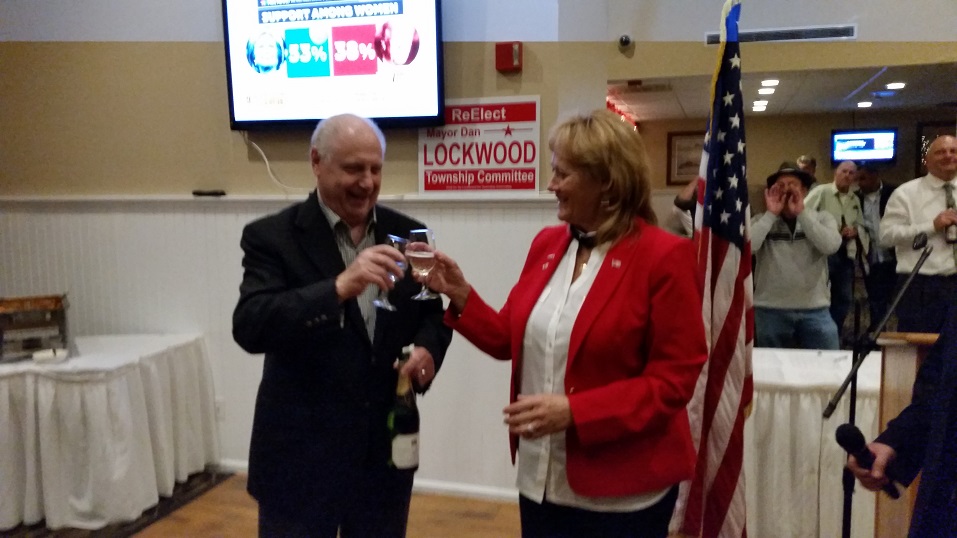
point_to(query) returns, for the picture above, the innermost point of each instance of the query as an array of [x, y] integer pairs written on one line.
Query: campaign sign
[[486, 144]]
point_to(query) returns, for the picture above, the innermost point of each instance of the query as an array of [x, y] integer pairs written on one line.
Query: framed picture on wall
[[926, 133], [684, 156]]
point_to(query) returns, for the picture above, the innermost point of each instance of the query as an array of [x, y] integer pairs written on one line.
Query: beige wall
[[152, 118]]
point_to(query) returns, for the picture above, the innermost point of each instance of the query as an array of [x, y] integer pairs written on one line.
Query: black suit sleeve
[[434, 334], [274, 314], [909, 433], [429, 328]]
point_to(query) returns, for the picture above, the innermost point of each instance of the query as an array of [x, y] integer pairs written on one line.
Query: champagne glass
[[421, 255], [382, 301]]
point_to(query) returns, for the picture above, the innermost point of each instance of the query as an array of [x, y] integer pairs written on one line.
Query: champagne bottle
[[403, 422]]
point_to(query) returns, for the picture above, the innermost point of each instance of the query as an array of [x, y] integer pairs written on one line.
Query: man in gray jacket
[[791, 244]]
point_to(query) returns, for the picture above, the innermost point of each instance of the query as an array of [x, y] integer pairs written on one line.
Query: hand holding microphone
[[869, 467]]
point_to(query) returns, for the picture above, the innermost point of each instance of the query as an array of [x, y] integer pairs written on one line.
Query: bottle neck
[[404, 386]]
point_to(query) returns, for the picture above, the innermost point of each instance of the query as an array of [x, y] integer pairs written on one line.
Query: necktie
[[949, 193]]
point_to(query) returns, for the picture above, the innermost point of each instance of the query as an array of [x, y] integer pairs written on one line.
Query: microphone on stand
[[852, 441], [920, 242]]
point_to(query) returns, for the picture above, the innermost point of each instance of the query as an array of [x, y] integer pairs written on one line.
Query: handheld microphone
[[852, 441]]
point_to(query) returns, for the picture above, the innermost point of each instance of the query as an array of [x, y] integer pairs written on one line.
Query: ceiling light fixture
[[759, 109], [766, 91], [760, 103], [770, 82], [895, 86], [864, 104]]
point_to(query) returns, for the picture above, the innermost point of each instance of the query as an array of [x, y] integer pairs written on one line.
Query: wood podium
[[901, 356]]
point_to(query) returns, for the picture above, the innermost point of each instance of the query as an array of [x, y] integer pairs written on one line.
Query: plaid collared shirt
[[349, 252]]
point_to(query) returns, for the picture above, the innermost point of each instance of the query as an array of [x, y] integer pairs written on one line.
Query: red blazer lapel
[[601, 294], [601, 297], [541, 266]]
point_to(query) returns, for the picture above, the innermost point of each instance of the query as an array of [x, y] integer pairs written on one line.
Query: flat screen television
[[864, 145], [294, 62]]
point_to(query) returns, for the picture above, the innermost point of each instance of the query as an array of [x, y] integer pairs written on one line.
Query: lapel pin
[[551, 256], [544, 266], [616, 263]]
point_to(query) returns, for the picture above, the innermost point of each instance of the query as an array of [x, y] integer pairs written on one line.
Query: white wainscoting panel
[[174, 266]]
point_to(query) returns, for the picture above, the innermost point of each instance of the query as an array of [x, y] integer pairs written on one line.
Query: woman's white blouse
[[542, 470]]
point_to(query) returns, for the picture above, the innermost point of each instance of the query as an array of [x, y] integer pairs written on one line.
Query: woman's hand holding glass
[[421, 255], [446, 277]]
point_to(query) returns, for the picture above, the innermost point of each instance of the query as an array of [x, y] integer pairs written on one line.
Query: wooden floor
[[227, 510]]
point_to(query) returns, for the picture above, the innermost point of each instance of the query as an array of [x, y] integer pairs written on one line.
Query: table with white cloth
[[792, 462], [97, 439]]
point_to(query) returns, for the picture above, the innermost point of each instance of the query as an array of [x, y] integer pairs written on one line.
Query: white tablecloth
[[793, 464], [96, 439]]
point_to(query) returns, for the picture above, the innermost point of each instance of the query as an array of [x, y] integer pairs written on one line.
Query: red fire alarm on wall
[[508, 57]]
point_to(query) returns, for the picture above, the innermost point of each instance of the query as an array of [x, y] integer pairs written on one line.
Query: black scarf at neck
[[585, 239]]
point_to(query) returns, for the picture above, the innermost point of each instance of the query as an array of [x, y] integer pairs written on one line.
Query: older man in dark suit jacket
[[881, 262], [924, 437], [320, 450]]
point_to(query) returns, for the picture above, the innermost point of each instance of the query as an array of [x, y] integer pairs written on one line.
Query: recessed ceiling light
[[759, 109], [895, 86], [770, 82], [761, 103], [864, 104], [766, 91]]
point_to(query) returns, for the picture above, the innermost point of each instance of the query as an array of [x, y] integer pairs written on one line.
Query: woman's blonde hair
[[611, 152]]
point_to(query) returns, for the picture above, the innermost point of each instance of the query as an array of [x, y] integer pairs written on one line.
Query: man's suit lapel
[[316, 240]]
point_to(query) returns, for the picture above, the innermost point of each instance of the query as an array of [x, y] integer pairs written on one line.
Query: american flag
[[713, 503]]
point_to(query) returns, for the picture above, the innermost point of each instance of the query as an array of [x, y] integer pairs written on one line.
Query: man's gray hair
[[330, 129]]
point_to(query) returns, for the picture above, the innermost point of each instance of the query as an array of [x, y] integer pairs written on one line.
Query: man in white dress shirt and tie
[[925, 205]]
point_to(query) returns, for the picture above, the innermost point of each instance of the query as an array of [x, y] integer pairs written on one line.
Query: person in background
[[921, 206], [807, 163], [839, 200], [879, 280], [791, 243], [684, 207], [605, 340], [320, 449], [921, 439]]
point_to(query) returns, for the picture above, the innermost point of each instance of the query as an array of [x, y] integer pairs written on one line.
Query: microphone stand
[[862, 346], [847, 478]]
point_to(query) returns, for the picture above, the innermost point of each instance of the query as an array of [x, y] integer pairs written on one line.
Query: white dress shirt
[[911, 210], [542, 472]]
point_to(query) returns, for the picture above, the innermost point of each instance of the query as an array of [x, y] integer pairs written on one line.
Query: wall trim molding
[[471, 197]]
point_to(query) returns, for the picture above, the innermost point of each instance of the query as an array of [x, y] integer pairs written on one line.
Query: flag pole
[[713, 503]]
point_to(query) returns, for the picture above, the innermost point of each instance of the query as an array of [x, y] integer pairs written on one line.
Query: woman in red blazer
[[606, 340]]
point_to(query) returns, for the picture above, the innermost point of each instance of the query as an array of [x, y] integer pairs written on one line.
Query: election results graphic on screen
[[298, 61]]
